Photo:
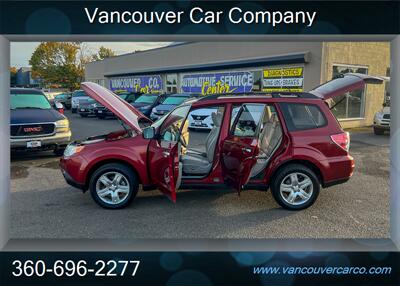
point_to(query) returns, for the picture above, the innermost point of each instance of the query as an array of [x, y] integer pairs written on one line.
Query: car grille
[[386, 116], [28, 130], [199, 117]]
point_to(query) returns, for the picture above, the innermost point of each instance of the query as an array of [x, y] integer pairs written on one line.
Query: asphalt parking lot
[[44, 206]]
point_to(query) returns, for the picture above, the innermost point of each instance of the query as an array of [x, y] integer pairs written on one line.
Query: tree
[[13, 76], [59, 63], [103, 53]]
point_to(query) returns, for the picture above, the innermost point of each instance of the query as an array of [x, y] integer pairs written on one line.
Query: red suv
[[288, 142]]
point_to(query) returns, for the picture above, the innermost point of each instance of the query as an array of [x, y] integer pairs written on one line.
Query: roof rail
[[260, 93]]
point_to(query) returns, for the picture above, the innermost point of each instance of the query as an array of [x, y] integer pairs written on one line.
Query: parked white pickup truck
[[382, 121]]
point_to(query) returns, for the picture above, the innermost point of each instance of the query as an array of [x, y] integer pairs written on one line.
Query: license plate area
[[33, 144]]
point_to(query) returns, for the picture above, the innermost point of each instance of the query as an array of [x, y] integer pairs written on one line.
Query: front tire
[[113, 186], [295, 187]]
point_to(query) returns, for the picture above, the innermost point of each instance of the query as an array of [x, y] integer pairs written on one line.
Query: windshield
[[78, 93], [35, 101], [175, 100], [146, 98]]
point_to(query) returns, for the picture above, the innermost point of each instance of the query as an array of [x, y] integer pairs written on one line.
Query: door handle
[[166, 154], [246, 150]]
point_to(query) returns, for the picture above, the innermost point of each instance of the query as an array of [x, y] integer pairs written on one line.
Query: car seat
[[196, 163], [269, 141]]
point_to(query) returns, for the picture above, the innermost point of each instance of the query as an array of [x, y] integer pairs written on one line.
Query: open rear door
[[239, 155], [346, 83], [240, 149]]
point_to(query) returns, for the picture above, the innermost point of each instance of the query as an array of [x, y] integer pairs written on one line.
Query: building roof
[[301, 57]]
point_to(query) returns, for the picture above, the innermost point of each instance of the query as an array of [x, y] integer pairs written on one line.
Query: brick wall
[[374, 55]]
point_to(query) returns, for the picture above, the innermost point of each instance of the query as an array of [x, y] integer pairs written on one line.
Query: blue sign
[[216, 83], [144, 84]]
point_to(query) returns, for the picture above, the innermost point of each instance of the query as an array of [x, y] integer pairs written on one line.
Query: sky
[[20, 52]]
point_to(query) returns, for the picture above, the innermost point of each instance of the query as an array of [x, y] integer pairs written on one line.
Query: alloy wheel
[[296, 188], [112, 187]]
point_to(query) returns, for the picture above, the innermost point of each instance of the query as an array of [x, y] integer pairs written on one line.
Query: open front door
[[240, 148], [164, 152], [164, 166]]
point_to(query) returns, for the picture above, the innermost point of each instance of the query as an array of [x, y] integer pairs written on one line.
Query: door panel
[[240, 148], [164, 153], [164, 166], [238, 158]]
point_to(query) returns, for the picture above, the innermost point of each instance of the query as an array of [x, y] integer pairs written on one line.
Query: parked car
[[288, 142], [64, 99], [169, 103], [146, 102], [201, 119], [103, 112], [77, 95], [87, 107], [382, 120], [35, 124]]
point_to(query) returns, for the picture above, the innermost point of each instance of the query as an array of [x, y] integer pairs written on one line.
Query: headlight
[[379, 115], [62, 125], [72, 149], [154, 110]]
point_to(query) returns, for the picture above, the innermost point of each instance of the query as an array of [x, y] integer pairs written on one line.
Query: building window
[[351, 104], [171, 83], [257, 80]]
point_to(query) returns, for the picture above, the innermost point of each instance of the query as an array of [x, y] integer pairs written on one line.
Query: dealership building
[[241, 67]]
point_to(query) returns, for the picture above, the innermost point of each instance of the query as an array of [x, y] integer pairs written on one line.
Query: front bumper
[[70, 181], [385, 127], [85, 111], [56, 140]]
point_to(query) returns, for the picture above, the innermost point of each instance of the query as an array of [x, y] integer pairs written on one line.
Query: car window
[[245, 119], [34, 101], [146, 98], [171, 126], [175, 100], [302, 116]]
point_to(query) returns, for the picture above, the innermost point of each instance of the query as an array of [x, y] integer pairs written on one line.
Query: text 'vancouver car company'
[[288, 142]]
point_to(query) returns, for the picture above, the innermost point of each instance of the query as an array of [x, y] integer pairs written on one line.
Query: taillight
[[342, 140], [61, 110]]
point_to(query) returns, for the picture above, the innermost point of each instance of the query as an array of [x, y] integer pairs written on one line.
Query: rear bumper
[[339, 171], [56, 140]]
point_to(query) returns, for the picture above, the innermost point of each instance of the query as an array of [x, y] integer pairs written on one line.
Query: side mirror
[[149, 132], [59, 107]]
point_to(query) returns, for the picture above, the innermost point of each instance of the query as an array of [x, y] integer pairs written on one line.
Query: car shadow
[[197, 214]]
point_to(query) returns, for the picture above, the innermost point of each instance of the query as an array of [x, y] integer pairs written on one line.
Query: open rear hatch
[[345, 83], [122, 109]]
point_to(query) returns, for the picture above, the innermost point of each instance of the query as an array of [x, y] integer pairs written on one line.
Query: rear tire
[[295, 187], [378, 131], [128, 180]]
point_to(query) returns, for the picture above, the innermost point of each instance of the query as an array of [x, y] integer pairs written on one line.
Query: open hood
[[346, 83], [126, 112]]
